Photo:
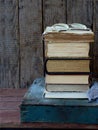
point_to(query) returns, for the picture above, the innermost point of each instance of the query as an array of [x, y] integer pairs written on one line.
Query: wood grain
[[22, 23], [54, 11], [31, 51], [10, 118], [9, 47], [10, 100], [80, 11], [95, 28]]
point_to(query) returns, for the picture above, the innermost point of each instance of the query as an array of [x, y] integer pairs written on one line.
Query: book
[[66, 87], [69, 36], [66, 79], [68, 32], [68, 95], [61, 66], [65, 49]]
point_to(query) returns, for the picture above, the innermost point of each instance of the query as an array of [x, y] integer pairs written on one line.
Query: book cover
[[67, 66], [66, 87], [69, 36], [66, 79]]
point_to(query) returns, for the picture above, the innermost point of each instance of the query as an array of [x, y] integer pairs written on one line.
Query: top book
[[68, 32]]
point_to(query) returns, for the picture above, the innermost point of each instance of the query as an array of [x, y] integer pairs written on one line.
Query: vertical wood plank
[[9, 48], [80, 11], [31, 51], [95, 2], [54, 11], [96, 26]]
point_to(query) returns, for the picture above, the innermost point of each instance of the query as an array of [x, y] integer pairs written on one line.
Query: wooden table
[[10, 100]]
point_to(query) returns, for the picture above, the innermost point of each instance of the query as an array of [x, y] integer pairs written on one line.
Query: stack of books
[[68, 57]]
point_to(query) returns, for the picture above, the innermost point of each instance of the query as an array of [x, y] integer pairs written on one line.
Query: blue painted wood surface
[[36, 108]]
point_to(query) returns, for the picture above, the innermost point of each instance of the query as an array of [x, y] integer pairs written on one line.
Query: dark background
[[22, 23]]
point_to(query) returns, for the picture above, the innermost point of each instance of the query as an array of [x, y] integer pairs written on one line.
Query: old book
[[69, 36], [61, 66], [66, 87], [68, 95], [66, 79], [65, 49]]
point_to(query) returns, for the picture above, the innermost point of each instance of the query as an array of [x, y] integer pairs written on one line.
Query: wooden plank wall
[[21, 25], [31, 53], [95, 27], [9, 44]]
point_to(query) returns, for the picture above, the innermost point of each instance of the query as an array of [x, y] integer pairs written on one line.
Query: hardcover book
[[67, 66], [69, 36], [68, 60], [66, 95], [72, 49], [66, 79], [67, 87]]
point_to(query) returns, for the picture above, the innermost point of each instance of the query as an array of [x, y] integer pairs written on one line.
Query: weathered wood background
[[22, 23]]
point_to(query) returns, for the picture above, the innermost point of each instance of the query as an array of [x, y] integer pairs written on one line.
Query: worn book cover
[[66, 79], [69, 36], [67, 66], [66, 87]]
